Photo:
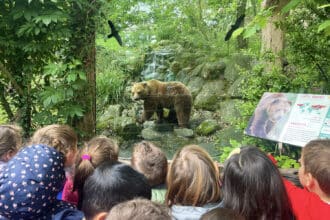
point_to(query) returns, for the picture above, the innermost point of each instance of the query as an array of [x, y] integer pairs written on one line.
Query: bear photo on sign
[[271, 111]]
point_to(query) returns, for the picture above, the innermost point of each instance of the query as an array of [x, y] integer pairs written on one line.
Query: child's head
[[10, 141], [253, 186], [98, 150], [223, 214], [62, 137], [150, 160], [112, 183], [139, 209], [315, 165], [29, 185], [193, 178]]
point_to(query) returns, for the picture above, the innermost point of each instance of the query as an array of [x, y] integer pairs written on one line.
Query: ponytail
[[84, 168]]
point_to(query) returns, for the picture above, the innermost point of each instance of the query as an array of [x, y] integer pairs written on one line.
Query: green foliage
[[308, 50], [41, 60], [3, 117], [110, 88], [284, 161], [62, 84], [226, 150]]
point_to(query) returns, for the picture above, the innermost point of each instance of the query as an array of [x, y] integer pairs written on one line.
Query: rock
[[112, 112], [210, 95], [235, 89], [237, 61], [151, 134], [130, 131], [207, 127], [195, 85], [184, 132], [213, 70], [175, 67], [229, 110]]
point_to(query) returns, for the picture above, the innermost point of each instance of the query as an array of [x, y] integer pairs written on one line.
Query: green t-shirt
[[158, 195]]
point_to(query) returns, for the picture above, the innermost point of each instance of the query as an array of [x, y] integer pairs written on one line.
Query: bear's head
[[140, 91], [278, 108]]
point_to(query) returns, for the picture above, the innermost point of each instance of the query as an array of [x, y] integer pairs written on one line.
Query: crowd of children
[[95, 185]]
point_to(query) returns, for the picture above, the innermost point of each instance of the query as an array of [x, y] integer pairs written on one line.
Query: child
[[253, 187], [313, 202], [222, 214], [150, 160], [110, 184], [35, 175], [139, 209], [192, 183], [10, 142], [98, 150]]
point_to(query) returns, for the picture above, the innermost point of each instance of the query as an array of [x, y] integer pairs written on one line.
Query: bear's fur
[[158, 95], [271, 108]]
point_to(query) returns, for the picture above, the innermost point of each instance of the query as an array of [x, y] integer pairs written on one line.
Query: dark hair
[[253, 186], [139, 209], [110, 184], [316, 156], [98, 150], [222, 214], [193, 178], [150, 160]]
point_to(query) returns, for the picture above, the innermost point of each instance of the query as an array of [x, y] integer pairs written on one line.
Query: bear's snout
[[136, 97]]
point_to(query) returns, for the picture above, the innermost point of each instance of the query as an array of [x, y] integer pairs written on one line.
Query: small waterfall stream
[[157, 65]]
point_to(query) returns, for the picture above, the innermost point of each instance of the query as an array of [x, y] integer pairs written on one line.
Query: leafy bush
[[284, 161], [110, 88]]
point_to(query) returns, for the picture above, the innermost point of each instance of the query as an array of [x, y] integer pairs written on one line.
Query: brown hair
[[150, 160], [98, 150], [223, 214], [10, 139], [139, 209], [193, 178], [316, 156], [62, 137]]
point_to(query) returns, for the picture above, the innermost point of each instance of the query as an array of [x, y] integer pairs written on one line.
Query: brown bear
[[158, 95]]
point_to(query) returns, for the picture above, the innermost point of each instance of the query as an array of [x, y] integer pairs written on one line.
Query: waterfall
[[157, 65]]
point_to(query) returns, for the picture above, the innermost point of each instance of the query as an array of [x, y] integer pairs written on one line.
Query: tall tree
[[273, 34], [241, 10], [45, 53], [84, 26]]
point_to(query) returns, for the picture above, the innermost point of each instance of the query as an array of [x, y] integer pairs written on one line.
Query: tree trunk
[[272, 35], [5, 103], [84, 40], [241, 8]]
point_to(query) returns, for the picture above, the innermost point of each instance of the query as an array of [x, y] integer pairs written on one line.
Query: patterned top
[[30, 183]]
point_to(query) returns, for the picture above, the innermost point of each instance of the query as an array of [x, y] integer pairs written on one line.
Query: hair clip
[[85, 157]]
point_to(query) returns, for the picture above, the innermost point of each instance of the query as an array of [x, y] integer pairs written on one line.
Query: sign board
[[291, 118]]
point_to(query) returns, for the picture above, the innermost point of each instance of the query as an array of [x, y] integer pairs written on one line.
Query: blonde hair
[[150, 160], [193, 178], [98, 150], [62, 137], [10, 138]]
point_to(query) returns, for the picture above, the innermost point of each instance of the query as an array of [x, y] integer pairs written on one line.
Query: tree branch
[[5, 103], [10, 77]]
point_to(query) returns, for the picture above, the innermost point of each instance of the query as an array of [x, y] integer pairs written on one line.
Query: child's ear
[[310, 181], [101, 216]]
